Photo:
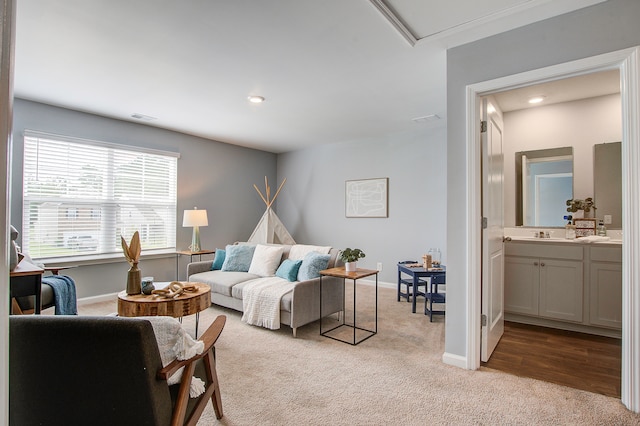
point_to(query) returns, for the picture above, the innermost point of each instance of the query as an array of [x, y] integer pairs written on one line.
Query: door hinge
[[484, 320], [485, 223], [483, 126]]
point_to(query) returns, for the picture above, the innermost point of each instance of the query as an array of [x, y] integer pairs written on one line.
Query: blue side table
[[432, 296]]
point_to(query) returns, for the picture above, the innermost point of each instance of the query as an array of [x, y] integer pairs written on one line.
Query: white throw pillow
[[265, 260], [299, 251]]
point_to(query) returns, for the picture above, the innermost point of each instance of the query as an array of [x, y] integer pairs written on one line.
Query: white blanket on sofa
[[261, 301]]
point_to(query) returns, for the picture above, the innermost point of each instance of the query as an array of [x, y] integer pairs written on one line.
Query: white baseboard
[[380, 283], [455, 360], [113, 296], [96, 299]]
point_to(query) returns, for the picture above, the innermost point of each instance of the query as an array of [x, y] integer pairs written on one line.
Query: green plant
[[351, 255], [587, 204]]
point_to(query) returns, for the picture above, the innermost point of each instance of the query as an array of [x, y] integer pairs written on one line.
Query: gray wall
[[578, 124], [598, 29], [211, 175], [312, 204]]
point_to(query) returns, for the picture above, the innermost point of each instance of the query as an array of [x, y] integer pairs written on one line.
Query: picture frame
[[367, 198]]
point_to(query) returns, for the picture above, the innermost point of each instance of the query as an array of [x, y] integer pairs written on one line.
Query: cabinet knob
[[535, 263], [541, 263]]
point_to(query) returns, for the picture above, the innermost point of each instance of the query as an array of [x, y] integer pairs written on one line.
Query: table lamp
[[195, 218]]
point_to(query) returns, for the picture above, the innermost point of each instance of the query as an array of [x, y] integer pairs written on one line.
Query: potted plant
[[350, 258]]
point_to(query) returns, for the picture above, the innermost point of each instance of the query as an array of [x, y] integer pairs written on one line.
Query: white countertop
[[557, 236]]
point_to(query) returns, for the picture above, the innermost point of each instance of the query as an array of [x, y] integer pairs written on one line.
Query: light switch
[[607, 219]]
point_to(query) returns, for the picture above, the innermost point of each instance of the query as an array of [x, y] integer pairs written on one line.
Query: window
[[80, 196]]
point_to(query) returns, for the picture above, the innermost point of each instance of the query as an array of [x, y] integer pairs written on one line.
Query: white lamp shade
[[195, 218]]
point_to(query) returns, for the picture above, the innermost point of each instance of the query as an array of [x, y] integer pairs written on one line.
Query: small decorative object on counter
[[350, 258], [132, 253], [147, 285], [569, 229], [602, 230], [435, 257], [426, 261]]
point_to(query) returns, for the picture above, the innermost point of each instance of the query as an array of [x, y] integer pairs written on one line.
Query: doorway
[[576, 119], [627, 62]]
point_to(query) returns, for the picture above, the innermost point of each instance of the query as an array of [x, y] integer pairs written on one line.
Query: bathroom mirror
[[607, 183], [544, 182]]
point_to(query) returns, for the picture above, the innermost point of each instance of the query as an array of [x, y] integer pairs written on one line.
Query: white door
[[493, 228]]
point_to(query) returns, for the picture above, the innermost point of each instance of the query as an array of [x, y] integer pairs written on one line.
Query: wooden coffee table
[[188, 303]]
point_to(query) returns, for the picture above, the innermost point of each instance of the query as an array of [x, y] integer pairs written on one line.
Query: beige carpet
[[394, 378]]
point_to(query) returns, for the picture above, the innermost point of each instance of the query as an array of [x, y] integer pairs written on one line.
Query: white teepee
[[270, 229]]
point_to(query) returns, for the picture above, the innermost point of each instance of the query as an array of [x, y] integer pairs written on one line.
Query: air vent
[[142, 117], [426, 118]]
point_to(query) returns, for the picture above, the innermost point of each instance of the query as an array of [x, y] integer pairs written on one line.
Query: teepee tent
[[270, 229]]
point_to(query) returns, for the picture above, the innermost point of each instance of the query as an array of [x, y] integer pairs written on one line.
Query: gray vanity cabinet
[[521, 285], [561, 288], [605, 285], [564, 285], [544, 280]]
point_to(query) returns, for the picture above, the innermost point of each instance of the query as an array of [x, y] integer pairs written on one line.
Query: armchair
[[103, 371]]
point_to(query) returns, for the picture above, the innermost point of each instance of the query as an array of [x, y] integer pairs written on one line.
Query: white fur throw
[[261, 301], [175, 343]]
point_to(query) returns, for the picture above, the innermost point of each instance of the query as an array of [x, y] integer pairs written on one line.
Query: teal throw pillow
[[288, 269], [238, 258], [312, 264], [218, 260]]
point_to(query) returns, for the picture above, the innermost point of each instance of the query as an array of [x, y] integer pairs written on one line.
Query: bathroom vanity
[[564, 284]]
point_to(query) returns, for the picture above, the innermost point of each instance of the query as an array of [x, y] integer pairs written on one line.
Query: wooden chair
[[103, 371], [26, 304], [408, 284], [433, 296]]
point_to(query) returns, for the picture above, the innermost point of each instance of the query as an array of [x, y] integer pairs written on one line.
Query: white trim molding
[[455, 360], [627, 62]]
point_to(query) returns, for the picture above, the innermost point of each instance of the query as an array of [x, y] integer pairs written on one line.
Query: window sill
[[104, 258]]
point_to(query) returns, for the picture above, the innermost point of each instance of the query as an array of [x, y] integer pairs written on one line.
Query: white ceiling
[[330, 70], [558, 91]]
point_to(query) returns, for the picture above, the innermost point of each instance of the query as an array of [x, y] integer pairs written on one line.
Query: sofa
[[237, 279]]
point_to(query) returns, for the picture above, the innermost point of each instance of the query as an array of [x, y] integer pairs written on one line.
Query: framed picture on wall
[[367, 198]]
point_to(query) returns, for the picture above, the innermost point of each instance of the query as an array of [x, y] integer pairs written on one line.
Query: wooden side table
[[26, 280], [188, 303], [340, 272], [190, 254]]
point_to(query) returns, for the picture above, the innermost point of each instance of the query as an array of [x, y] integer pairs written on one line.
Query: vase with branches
[[132, 254]]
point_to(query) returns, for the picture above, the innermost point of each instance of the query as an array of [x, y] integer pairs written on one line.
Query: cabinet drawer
[[545, 249], [606, 254]]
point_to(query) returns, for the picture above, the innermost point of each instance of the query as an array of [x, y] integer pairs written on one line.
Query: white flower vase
[[350, 266]]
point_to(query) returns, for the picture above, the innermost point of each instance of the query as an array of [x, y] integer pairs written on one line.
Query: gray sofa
[[298, 307]]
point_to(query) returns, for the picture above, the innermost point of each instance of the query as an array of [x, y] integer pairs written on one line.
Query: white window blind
[[80, 196]]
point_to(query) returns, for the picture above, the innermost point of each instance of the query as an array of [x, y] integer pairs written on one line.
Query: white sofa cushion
[[265, 260], [299, 251]]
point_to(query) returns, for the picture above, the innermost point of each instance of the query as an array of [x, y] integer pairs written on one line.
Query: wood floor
[[577, 360]]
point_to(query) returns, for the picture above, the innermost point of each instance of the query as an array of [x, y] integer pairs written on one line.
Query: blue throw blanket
[[64, 293]]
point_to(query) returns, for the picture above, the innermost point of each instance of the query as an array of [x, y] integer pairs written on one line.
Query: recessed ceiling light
[[256, 99], [536, 99]]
